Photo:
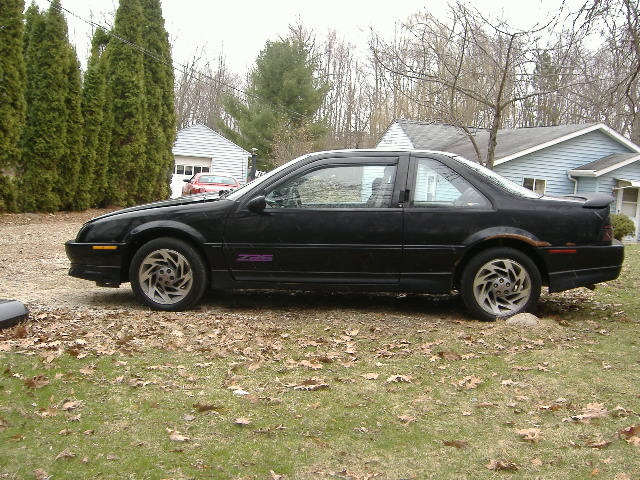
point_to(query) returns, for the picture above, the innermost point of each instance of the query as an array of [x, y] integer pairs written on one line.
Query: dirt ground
[[34, 266]]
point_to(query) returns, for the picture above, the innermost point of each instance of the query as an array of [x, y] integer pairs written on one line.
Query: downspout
[[575, 183]]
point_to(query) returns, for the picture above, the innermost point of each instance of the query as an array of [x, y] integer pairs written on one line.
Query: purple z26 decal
[[254, 258]]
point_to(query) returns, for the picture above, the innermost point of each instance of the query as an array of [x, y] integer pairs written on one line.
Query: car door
[[444, 210], [335, 220]]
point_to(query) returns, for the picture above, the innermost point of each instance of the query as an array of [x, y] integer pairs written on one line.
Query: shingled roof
[[512, 142], [606, 164]]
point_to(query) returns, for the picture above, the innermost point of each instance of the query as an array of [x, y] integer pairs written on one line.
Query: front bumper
[[99, 262], [572, 267]]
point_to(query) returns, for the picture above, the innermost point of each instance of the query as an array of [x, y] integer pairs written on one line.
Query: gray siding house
[[199, 149], [558, 160]]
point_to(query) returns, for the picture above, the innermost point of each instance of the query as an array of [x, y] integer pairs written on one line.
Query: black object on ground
[[11, 313]]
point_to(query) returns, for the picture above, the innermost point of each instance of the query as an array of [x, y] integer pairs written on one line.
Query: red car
[[209, 182]]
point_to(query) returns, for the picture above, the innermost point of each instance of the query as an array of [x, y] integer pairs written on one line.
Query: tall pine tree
[[44, 133], [283, 94], [125, 98], [161, 123], [12, 90], [92, 190], [70, 168], [51, 147]]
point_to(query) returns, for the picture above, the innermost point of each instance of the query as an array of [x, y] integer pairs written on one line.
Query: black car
[[358, 219]]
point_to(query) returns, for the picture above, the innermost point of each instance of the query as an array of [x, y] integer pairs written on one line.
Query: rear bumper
[[572, 267], [99, 262]]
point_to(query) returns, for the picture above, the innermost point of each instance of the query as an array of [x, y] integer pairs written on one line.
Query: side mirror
[[257, 204], [186, 180]]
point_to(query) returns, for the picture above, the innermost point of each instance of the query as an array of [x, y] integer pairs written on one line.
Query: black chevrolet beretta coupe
[[411, 221]]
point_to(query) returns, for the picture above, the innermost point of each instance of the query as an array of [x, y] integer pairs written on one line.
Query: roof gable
[[201, 141], [606, 165]]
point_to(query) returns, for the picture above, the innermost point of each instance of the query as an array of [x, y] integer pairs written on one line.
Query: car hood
[[172, 202]]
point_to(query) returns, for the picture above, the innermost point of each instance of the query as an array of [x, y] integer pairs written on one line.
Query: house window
[[190, 169], [536, 184]]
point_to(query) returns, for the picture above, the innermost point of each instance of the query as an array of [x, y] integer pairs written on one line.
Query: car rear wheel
[[168, 274], [500, 283]]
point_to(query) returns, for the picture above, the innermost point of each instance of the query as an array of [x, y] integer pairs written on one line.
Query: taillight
[[607, 233], [199, 190]]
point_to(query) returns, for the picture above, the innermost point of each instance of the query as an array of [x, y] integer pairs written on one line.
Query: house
[[557, 160], [199, 149]]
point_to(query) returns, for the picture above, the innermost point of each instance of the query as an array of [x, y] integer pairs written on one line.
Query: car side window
[[336, 186], [439, 186]]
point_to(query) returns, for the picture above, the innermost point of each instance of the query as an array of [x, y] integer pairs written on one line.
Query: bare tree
[[468, 71], [199, 91], [618, 60]]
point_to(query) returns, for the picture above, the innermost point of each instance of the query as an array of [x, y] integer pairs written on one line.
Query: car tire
[[499, 283], [168, 274]]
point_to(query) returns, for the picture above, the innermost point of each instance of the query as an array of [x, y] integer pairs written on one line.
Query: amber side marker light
[[104, 247]]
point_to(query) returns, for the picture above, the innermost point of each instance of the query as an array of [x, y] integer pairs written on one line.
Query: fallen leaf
[[40, 474], [450, 356], [66, 453], [310, 385], [399, 379], [69, 405], [242, 421], [599, 443], [591, 411], [207, 408], [311, 365], [455, 443], [88, 370], [633, 431], [406, 419], [498, 465], [176, 436], [37, 382], [532, 435], [470, 382]]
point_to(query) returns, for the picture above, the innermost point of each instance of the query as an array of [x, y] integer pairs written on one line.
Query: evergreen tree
[[51, 139], [282, 95], [161, 123], [12, 90], [72, 169], [125, 98], [45, 131], [29, 16], [92, 190]]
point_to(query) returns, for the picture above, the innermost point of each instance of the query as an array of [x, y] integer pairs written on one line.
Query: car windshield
[[257, 181], [497, 180], [216, 179]]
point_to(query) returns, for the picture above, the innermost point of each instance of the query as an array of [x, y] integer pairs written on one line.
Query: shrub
[[622, 226]]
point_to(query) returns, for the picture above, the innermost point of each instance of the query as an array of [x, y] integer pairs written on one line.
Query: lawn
[[326, 386]]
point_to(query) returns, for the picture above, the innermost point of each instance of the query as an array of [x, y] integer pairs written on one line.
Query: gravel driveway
[[34, 266]]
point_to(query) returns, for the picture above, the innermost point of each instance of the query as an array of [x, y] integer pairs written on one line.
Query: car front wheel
[[500, 283], [168, 274]]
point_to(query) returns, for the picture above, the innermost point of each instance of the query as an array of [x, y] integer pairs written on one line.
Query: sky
[[239, 29]]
